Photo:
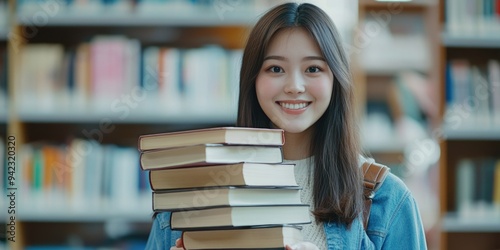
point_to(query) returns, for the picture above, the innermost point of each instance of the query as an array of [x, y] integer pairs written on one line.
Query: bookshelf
[[397, 42], [55, 118], [224, 116], [470, 138], [170, 18], [387, 30], [454, 41], [63, 122], [3, 90], [33, 121], [386, 33]]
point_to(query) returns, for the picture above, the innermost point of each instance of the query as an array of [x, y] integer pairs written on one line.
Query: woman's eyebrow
[[309, 58], [281, 58]]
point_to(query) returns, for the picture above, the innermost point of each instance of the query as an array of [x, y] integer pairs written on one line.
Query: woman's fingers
[[178, 245]]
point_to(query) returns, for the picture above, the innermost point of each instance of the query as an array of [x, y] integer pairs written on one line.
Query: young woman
[[295, 75]]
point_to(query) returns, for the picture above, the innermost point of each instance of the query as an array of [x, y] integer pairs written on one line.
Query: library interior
[[81, 81]]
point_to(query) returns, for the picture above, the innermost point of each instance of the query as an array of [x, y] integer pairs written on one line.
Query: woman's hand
[[178, 245], [302, 246]]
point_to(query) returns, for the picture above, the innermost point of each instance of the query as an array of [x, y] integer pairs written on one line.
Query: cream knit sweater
[[313, 232]]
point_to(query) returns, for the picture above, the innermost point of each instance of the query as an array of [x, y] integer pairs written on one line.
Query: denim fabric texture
[[394, 223]]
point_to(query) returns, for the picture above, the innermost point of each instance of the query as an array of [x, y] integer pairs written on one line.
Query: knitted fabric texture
[[313, 232]]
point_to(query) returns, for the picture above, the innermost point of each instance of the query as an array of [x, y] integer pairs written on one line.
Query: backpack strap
[[373, 176]]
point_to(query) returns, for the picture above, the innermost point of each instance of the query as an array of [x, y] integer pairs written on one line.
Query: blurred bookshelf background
[[81, 80]]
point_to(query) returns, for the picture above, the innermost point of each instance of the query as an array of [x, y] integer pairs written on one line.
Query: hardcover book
[[224, 196], [247, 216], [239, 174], [248, 238], [209, 154], [219, 135]]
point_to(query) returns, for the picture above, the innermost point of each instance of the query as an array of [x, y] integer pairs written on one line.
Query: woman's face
[[294, 85]]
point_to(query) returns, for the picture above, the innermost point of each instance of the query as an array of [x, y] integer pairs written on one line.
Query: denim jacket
[[394, 223]]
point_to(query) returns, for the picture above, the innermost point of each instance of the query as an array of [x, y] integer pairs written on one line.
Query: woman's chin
[[294, 129]]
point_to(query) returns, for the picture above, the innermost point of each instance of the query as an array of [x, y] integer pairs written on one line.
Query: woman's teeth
[[294, 106]]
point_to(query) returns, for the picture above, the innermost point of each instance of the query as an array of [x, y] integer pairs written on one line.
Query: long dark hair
[[335, 146]]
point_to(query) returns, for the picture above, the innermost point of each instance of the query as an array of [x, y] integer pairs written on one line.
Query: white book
[[494, 80], [465, 186], [226, 217]]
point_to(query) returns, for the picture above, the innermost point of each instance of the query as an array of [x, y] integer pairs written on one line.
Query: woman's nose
[[295, 84]]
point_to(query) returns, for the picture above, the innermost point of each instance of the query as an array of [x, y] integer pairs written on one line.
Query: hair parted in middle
[[335, 146]]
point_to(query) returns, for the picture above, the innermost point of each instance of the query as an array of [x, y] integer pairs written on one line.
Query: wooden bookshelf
[[35, 125], [222, 116], [174, 19], [488, 42], [381, 77], [377, 77], [475, 141], [188, 29]]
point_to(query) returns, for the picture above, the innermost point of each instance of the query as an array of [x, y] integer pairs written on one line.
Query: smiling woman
[[295, 75], [294, 85]]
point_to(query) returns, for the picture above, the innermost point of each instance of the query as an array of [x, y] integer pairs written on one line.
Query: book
[[218, 135], [209, 154], [239, 174], [496, 185], [465, 185], [244, 216], [248, 238], [224, 196], [494, 80]]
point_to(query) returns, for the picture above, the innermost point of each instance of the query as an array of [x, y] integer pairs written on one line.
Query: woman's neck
[[297, 145]]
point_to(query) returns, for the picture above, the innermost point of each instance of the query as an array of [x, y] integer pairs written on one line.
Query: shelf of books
[[170, 17], [79, 178], [470, 164], [472, 133], [89, 214], [113, 77], [393, 46], [89, 77], [472, 41], [3, 111], [224, 115], [415, 5], [484, 224], [144, 13]]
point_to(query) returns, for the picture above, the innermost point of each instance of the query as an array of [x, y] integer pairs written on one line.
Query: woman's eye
[[275, 69], [313, 69]]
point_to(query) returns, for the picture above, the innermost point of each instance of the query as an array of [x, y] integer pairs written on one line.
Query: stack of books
[[227, 187]]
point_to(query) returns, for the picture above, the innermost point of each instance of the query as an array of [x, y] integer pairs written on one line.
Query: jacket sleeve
[[395, 221], [161, 236], [406, 227]]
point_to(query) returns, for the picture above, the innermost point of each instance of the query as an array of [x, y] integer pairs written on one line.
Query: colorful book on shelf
[[496, 185], [224, 197], [244, 216], [246, 238], [219, 135], [209, 154], [239, 174]]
